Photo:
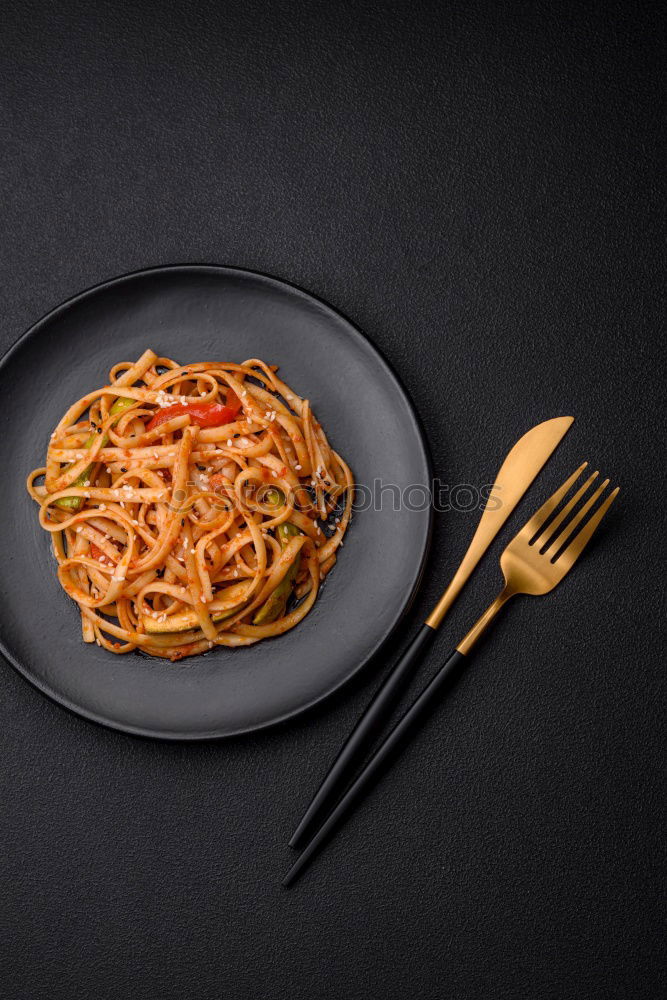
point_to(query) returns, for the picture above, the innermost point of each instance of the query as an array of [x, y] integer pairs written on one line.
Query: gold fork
[[534, 562]]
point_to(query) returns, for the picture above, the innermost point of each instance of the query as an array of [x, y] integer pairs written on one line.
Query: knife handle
[[402, 731], [363, 734]]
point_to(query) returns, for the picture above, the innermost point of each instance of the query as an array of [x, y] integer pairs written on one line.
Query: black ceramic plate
[[194, 313]]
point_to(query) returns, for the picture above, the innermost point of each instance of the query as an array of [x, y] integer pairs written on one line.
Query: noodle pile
[[191, 506]]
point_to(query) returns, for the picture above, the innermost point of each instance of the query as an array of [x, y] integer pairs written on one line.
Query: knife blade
[[521, 466]]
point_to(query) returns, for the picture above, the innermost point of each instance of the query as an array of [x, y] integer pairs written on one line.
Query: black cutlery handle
[[431, 693], [365, 731]]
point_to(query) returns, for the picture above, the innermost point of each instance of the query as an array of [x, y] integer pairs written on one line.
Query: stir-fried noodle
[[191, 506]]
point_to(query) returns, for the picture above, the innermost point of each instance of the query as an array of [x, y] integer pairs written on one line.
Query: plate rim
[[365, 341]]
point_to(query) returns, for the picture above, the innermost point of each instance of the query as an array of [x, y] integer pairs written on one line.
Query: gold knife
[[517, 472]]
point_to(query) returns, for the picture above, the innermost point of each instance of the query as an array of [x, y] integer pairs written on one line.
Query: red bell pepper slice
[[97, 553], [202, 414]]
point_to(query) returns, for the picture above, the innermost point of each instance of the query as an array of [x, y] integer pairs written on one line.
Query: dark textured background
[[477, 187]]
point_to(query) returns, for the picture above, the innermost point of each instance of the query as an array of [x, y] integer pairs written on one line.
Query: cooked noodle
[[191, 506]]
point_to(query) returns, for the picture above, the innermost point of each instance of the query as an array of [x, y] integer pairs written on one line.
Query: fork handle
[[483, 622], [365, 731], [431, 693]]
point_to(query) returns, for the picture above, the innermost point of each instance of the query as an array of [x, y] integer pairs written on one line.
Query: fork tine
[[532, 527], [560, 517], [556, 541], [577, 545]]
